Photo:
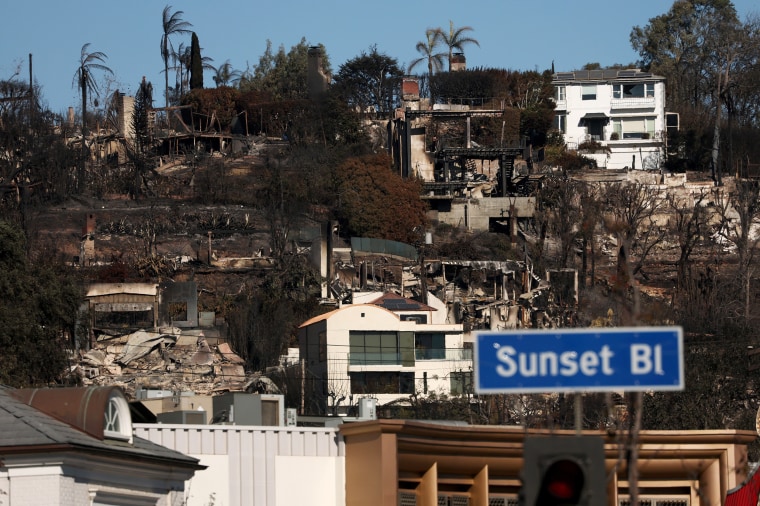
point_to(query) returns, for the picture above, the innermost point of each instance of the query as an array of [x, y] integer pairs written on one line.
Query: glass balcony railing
[[374, 358], [395, 358], [443, 354]]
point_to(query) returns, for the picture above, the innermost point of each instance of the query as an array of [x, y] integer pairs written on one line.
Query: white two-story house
[[387, 349], [622, 110]]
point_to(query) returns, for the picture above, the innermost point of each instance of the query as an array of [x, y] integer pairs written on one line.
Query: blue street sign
[[579, 360]]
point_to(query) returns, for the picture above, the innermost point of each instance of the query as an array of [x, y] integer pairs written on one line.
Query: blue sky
[[518, 35]]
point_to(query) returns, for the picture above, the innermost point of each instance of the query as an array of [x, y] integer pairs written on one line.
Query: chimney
[[458, 62], [316, 77], [89, 226]]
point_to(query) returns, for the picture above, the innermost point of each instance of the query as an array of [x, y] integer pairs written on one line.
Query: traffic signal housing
[[563, 471]]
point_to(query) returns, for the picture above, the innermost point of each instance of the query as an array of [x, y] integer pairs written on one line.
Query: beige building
[[402, 462]]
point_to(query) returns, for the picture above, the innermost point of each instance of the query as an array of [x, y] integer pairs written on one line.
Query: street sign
[[631, 359]]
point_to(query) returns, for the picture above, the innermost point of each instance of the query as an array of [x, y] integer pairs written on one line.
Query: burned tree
[[689, 226], [141, 148], [739, 213], [630, 215]]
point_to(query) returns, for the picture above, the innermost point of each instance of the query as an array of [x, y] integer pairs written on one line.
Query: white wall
[[258, 466], [309, 480]]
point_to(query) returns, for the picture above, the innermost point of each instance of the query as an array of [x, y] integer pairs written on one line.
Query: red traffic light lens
[[563, 480]]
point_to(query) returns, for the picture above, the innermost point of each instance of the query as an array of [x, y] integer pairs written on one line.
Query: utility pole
[[31, 89]]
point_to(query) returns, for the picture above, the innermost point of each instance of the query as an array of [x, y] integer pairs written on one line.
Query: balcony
[[633, 103], [635, 138], [374, 358], [443, 354], [403, 359]]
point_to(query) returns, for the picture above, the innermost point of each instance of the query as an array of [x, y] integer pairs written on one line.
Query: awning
[[594, 115]]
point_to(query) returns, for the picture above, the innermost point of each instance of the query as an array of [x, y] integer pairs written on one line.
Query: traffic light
[[563, 471]]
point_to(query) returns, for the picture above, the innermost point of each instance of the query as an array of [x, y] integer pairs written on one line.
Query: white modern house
[[621, 110], [386, 349]]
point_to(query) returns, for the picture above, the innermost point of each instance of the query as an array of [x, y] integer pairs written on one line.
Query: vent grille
[[407, 499], [665, 501], [503, 501]]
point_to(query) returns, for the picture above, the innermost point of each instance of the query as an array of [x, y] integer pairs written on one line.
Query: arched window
[[118, 421]]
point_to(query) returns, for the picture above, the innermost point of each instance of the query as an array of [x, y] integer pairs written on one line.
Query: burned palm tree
[[84, 80], [173, 24]]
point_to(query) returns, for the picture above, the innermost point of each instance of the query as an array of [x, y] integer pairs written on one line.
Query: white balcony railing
[[633, 103]]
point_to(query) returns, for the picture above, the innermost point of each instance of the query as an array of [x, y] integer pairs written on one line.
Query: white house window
[[561, 91], [638, 90], [560, 122], [588, 92], [117, 420], [634, 128]]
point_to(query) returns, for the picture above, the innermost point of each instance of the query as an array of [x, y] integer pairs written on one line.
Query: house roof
[[605, 75], [321, 317], [25, 428], [395, 303], [389, 301]]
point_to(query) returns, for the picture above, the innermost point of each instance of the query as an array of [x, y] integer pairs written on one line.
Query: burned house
[[466, 184], [123, 307]]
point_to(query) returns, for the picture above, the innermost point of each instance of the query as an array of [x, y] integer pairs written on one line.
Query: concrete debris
[[204, 355], [94, 358], [227, 354], [261, 385], [172, 359], [141, 343]]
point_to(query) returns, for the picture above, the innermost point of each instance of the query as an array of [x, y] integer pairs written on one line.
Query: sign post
[[631, 359], [571, 470]]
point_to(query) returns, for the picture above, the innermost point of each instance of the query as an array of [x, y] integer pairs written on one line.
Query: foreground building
[[616, 117], [422, 463], [75, 446]]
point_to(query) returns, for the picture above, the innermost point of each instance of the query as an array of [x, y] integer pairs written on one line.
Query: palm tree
[[181, 61], [456, 39], [225, 75], [427, 48], [172, 24], [83, 77], [85, 82]]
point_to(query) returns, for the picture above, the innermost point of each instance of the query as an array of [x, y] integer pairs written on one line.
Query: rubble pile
[[167, 360]]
